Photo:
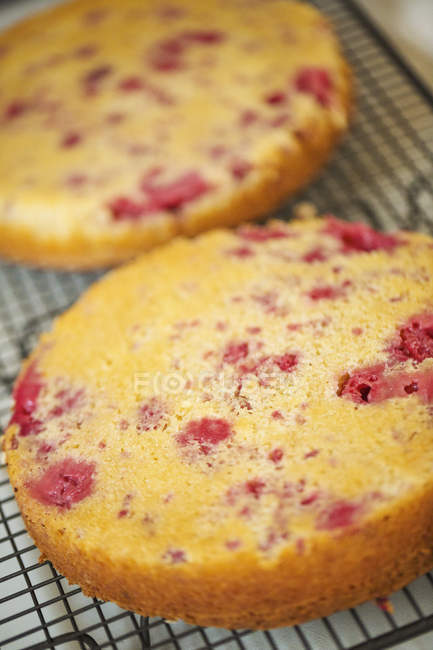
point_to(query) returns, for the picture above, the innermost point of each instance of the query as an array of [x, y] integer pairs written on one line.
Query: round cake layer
[[123, 124], [237, 430]]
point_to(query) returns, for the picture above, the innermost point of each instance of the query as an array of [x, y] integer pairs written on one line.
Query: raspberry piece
[[286, 362], [234, 352], [71, 139], [255, 487], [276, 455], [361, 386], [25, 394], [15, 109], [325, 293], [206, 37], [150, 415], [241, 251], [64, 483], [359, 236], [174, 556], [207, 433], [340, 514], [315, 255], [76, 180], [248, 117], [173, 195], [44, 449], [232, 544], [416, 339], [240, 168], [261, 234], [370, 385], [67, 401], [123, 208], [317, 82], [166, 56], [131, 84], [96, 75], [275, 98]]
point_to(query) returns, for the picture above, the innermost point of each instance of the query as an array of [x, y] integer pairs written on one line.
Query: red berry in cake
[[205, 434], [64, 483]]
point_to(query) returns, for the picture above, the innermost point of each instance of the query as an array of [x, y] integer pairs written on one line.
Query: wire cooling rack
[[381, 174]]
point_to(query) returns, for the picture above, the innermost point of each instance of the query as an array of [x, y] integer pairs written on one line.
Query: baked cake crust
[[256, 461], [173, 162]]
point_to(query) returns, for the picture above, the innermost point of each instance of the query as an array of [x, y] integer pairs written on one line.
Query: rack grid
[[383, 174]]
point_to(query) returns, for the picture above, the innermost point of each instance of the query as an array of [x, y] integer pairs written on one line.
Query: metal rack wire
[[382, 174]]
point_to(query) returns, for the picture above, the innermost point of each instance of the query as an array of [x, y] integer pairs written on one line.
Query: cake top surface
[[123, 114], [245, 392]]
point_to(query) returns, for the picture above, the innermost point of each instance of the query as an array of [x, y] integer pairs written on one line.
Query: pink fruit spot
[[171, 196], [416, 339], [15, 109], [234, 352], [76, 180], [67, 400], [311, 454], [85, 51], [206, 433], [286, 362], [131, 84], [241, 251], [64, 483], [261, 233], [279, 120], [357, 331], [275, 98], [276, 455], [217, 151], [277, 415], [340, 514], [371, 385], [174, 556], [325, 293], [166, 55], [315, 255], [255, 487], [96, 75], [316, 82], [240, 168], [123, 208], [248, 117], [361, 386], [45, 448], [232, 544], [71, 140], [359, 236], [150, 415], [25, 394], [206, 37], [311, 498]]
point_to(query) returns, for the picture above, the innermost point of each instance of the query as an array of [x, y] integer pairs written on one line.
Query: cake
[[236, 430], [125, 123]]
